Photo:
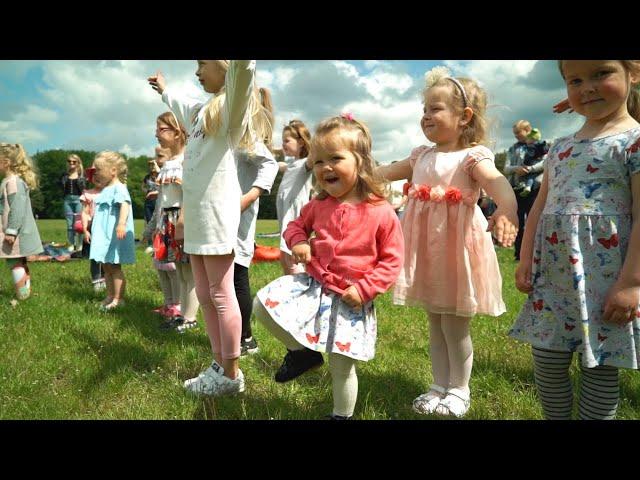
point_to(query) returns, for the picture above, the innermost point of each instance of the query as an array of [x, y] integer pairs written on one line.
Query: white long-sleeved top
[[257, 170], [211, 191], [293, 194]]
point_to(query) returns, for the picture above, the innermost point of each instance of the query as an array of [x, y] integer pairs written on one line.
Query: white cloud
[[20, 127]]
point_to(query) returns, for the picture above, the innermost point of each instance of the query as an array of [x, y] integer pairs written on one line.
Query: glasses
[[72, 163], [163, 129]]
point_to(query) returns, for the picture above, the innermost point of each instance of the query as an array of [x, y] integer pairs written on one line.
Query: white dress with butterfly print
[[580, 246]]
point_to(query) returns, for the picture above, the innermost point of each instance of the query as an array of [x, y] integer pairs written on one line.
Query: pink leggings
[[213, 275]]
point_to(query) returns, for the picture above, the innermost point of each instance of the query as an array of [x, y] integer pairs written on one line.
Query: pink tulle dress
[[450, 263]]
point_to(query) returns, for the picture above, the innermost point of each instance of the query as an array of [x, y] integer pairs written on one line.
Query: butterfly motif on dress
[[568, 327], [536, 260], [271, 303], [537, 305], [634, 148], [553, 239], [573, 343], [576, 280], [344, 347], [603, 258], [601, 338], [609, 242], [565, 154], [553, 254], [588, 188], [313, 338], [591, 169], [573, 260], [597, 161], [602, 356]]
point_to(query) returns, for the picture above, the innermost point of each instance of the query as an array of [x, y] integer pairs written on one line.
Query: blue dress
[[105, 246], [579, 249]]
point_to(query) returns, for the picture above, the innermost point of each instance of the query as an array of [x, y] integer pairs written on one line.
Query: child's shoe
[[248, 346], [427, 403], [333, 416], [111, 307], [456, 403], [172, 311], [99, 285], [525, 192], [297, 362], [213, 382]]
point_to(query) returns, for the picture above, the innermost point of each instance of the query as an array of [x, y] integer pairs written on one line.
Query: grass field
[[62, 359]]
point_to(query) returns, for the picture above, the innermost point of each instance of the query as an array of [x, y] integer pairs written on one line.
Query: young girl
[[167, 274], [356, 255], [88, 201], [172, 136], [580, 261], [256, 173], [73, 184], [451, 268], [295, 186], [112, 241], [19, 235], [232, 118]]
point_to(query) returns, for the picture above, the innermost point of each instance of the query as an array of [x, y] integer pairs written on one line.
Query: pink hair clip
[[348, 116]]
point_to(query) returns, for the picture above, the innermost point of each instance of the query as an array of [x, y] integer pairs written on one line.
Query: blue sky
[[98, 105]]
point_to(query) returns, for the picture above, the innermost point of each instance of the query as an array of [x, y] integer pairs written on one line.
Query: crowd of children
[[343, 243]]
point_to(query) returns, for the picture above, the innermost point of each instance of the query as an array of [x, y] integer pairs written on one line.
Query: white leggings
[[344, 380], [188, 298], [451, 350], [170, 287]]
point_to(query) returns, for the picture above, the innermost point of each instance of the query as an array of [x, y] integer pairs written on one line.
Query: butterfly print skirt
[[577, 259], [320, 320]]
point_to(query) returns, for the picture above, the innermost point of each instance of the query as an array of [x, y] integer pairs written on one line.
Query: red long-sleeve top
[[360, 245]]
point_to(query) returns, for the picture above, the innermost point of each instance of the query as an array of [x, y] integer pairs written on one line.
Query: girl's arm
[[390, 244], [184, 108], [121, 229], [282, 167], [621, 304], [265, 176], [523, 272], [84, 218], [297, 234], [17, 197], [401, 170], [238, 86], [504, 221]]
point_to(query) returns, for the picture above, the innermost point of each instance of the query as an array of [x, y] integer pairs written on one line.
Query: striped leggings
[[599, 391]]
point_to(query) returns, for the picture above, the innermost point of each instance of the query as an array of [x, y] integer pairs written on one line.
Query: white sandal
[[456, 403], [427, 403]]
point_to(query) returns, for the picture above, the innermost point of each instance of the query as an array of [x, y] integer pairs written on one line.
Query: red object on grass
[[263, 253]]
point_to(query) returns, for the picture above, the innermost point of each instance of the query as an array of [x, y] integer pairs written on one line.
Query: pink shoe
[[161, 310], [173, 311]]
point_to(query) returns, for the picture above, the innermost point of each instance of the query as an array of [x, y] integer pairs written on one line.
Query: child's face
[[521, 134], [291, 146], [210, 75], [161, 157], [4, 165], [167, 137], [103, 174], [335, 167], [597, 89], [440, 122]]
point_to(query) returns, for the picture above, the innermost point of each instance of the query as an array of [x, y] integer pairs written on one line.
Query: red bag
[[159, 248], [77, 224]]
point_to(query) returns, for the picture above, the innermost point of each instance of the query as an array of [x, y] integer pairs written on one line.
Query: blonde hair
[[356, 137], [633, 101], [80, 167], [114, 159], [20, 163], [169, 118], [522, 125], [474, 97], [298, 130], [260, 125]]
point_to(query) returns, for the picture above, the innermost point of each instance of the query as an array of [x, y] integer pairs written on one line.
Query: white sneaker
[[213, 382], [99, 286]]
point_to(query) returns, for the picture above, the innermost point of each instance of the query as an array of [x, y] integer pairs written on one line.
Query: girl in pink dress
[[450, 267]]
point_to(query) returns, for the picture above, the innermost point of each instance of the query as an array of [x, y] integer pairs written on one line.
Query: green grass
[[61, 359]]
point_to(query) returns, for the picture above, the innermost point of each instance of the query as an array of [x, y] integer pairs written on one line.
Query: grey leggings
[[598, 395]]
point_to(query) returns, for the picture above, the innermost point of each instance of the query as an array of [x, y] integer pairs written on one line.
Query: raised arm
[[183, 107], [239, 83]]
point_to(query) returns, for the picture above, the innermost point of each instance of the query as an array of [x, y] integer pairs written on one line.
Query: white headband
[[461, 88]]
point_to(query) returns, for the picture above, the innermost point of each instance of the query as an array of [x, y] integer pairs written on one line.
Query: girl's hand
[[523, 276], [621, 303], [520, 171], [351, 297], [121, 231], [87, 236], [301, 253], [10, 239], [157, 82], [504, 226], [563, 106], [179, 232]]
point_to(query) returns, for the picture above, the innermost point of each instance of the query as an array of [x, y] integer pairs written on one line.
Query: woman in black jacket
[[73, 184]]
